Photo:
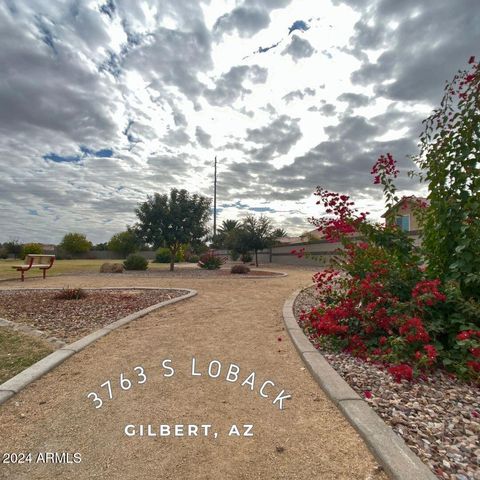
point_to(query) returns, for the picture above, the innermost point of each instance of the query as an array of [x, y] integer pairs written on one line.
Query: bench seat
[[40, 265], [31, 259]]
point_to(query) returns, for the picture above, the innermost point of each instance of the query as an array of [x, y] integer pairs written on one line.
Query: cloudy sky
[[104, 102]]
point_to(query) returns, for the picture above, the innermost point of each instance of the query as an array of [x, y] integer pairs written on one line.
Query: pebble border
[[396, 458], [48, 363]]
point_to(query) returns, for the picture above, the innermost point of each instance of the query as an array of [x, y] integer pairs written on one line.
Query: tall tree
[[75, 243], [124, 243], [257, 233], [13, 247], [172, 220]]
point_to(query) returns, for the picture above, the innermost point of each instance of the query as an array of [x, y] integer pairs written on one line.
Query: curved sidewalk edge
[[37, 370], [393, 454]]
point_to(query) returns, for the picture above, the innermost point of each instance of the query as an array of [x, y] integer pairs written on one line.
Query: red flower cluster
[[345, 219], [326, 280], [431, 354], [475, 366], [475, 352], [401, 372], [471, 346], [328, 323], [414, 331], [385, 166], [426, 293], [462, 82], [466, 334], [299, 253]]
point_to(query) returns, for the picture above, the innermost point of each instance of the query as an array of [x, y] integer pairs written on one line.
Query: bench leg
[[23, 277], [44, 272]]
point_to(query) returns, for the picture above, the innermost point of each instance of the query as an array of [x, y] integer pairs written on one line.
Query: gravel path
[[230, 320], [438, 417], [70, 320]]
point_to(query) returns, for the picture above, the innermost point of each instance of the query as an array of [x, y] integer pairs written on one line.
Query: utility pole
[[215, 200]]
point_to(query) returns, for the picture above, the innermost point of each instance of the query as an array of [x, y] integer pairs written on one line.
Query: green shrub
[[448, 162], [234, 255], [135, 262], [246, 258], [209, 261], [163, 255], [239, 269], [193, 259], [33, 248]]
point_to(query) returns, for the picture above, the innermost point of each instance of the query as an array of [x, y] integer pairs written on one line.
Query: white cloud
[[166, 87]]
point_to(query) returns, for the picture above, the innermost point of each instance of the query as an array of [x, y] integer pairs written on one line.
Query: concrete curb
[[22, 328], [48, 363], [396, 458], [254, 277]]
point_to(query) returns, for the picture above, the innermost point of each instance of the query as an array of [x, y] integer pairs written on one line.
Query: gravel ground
[[70, 320], [438, 417], [186, 272]]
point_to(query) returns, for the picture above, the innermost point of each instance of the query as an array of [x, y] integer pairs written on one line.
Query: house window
[[403, 221]]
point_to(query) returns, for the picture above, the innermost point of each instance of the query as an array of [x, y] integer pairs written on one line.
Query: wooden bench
[[43, 262]]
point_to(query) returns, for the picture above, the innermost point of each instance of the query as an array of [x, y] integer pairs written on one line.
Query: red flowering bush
[[210, 261], [377, 302], [468, 344]]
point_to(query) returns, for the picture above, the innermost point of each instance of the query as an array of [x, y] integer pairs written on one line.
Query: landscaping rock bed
[[438, 416], [70, 320]]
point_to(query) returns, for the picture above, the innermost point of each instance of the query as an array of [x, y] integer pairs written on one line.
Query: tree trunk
[[173, 254], [256, 258]]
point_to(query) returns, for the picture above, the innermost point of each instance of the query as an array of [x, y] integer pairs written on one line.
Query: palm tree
[[228, 226], [279, 233], [226, 233]]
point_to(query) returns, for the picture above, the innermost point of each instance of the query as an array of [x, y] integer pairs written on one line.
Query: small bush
[[239, 269], [3, 253], [71, 294], [234, 255], [246, 258], [135, 262], [211, 262], [34, 248], [163, 255], [111, 268], [193, 259]]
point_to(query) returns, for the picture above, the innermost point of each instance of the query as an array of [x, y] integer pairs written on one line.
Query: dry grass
[[18, 351], [62, 266]]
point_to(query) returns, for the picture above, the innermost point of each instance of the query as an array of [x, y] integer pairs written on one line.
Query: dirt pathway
[[232, 321]]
